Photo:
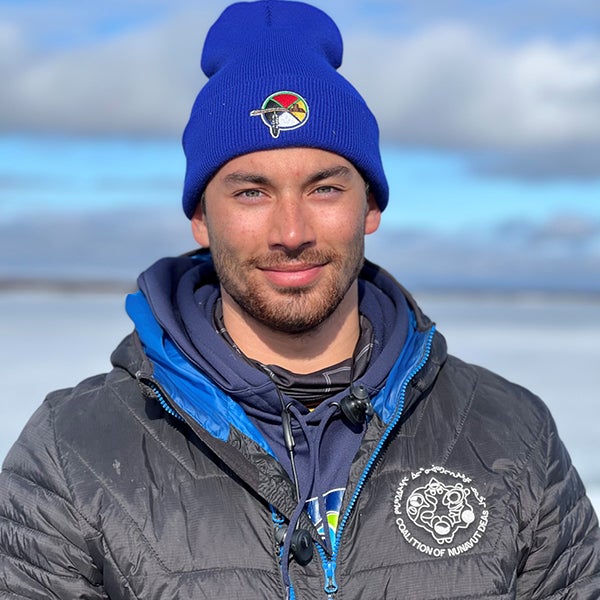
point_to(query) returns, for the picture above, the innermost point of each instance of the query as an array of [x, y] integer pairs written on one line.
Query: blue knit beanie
[[272, 84]]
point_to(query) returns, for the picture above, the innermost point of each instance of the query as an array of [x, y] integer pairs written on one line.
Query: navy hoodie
[[180, 294]]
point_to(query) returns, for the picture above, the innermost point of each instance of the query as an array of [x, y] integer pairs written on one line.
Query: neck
[[331, 342]]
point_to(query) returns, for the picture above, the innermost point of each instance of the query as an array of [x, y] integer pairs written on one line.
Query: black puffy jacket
[[461, 489]]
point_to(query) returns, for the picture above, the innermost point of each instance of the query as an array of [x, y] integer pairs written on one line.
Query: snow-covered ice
[[550, 345]]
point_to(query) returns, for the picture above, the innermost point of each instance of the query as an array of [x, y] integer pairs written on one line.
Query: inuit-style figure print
[[440, 509]]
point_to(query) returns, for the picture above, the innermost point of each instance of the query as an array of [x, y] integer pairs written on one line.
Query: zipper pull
[[331, 586]]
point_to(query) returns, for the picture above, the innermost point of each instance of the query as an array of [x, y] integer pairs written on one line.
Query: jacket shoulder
[[491, 394]]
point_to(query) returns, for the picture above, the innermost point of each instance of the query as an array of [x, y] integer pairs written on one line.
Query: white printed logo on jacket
[[439, 512]]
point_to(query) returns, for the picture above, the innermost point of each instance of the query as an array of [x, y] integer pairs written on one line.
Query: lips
[[292, 274], [290, 267]]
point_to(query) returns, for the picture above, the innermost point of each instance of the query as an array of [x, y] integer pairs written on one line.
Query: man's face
[[286, 231]]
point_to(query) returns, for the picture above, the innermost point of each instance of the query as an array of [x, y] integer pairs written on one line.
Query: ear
[[199, 226], [373, 214]]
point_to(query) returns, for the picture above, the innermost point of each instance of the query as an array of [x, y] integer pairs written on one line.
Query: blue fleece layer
[[189, 389]]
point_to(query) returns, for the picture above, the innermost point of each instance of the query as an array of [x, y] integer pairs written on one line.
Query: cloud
[[141, 82], [450, 87], [561, 254], [91, 246], [524, 108]]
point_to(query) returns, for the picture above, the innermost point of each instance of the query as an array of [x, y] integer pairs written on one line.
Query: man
[[284, 422]]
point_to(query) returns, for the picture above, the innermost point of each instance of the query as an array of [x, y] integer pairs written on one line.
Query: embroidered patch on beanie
[[282, 111]]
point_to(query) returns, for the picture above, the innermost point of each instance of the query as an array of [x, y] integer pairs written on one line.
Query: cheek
[[343, 228], [235, 237]]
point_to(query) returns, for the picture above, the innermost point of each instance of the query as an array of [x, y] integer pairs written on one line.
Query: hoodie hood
[[181, 294]]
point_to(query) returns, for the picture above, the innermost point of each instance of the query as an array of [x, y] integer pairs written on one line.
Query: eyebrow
[[238, 177], [243, 177], [340, 171]]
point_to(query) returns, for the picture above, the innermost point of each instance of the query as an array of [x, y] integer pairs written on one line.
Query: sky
[[489, 111]]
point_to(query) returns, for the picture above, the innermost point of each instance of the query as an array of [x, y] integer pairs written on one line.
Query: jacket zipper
[[159, 394], [330, 564]]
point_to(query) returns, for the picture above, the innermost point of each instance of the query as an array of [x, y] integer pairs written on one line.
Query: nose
[[291, 227]]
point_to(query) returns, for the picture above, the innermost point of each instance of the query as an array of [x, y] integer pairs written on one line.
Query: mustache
[[306, 256]]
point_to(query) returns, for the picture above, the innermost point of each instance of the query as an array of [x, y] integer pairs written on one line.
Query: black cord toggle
[[302, 547], [356, 407]]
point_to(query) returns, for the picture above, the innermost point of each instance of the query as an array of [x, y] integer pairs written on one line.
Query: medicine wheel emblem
[[282, 111]]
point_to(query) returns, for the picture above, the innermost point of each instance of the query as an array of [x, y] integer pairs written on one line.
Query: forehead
[[300, 163]]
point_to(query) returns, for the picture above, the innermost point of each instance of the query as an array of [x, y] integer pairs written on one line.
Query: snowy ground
[[552, 346]]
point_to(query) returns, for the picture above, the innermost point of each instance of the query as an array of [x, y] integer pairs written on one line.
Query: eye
[[250, 194], [327, 190]]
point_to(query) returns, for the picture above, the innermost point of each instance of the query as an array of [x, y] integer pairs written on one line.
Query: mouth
[[292, 274]]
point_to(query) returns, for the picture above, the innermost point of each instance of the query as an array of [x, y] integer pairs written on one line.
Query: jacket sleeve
[[43, 550], [563, 558]]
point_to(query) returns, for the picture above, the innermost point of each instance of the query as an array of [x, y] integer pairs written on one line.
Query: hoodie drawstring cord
[[314, 449]]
